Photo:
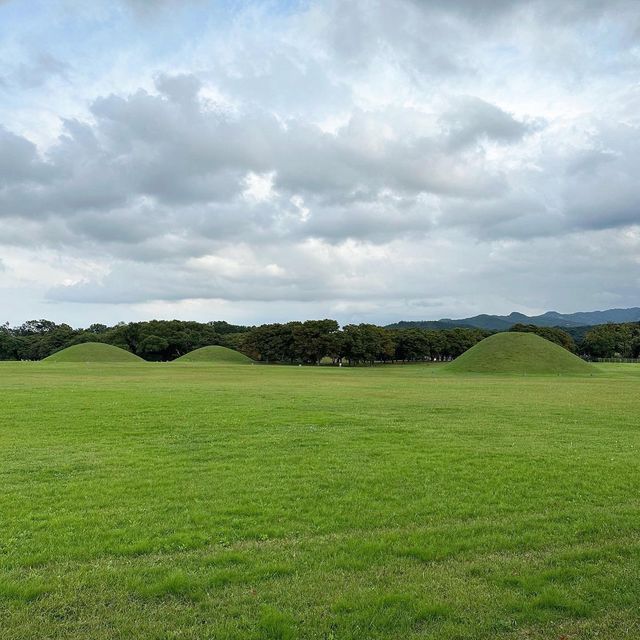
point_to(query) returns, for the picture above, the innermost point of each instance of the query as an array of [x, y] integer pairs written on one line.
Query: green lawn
[[187, 501]]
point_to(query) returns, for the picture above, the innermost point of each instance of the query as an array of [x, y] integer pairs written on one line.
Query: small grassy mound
[[215, 355], [519, 353], [93, 352]]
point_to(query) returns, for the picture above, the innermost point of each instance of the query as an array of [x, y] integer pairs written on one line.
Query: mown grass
[[186, 501]]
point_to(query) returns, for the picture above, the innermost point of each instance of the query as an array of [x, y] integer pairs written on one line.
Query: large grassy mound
[[519, 353], [215, 355], [93, 352]]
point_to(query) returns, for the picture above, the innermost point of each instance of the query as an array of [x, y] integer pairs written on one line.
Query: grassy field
[[186, 501]]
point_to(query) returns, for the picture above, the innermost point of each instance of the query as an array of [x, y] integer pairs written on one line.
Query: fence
[[631, 360]]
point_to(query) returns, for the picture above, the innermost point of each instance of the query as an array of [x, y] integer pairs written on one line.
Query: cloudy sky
[[369, 160]]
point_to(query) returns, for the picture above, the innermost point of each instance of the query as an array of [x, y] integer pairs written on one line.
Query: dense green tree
[[314, 339], [153, 347], [97, 328], [37, 339], [613, 341], [271, 342], [9, 344], [412, 345], [163, 339], [553, 334], [367, 343], [437, 344], [459, 340], [224, 328], [35, 327]]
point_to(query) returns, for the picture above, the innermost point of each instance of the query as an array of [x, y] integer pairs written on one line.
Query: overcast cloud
[[369, 161]]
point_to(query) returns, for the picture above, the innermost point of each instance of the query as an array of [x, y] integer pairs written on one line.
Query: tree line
[[612, 341], [157, 340], [314, 340], [309, 342]]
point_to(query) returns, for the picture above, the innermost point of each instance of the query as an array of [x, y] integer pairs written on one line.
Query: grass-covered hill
[[519, 353], [93, 352], [215, 355]]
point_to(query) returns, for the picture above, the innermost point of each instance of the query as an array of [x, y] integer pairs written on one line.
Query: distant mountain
[[598, 317], [426, 324], [548, 319]]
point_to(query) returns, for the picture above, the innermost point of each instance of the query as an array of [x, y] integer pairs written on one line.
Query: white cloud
[[258, 187]]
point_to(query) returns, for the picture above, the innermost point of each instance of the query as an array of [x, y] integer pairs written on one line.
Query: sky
[[369, 160]]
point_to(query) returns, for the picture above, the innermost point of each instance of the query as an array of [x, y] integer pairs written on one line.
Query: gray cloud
[[411, 277], [167, 162], [367, 153], [161, 164], [33, 73], [20, 163], [472, 120], [40, 70]]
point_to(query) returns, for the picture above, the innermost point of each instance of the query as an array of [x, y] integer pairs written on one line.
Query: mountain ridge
[[547, 319]]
